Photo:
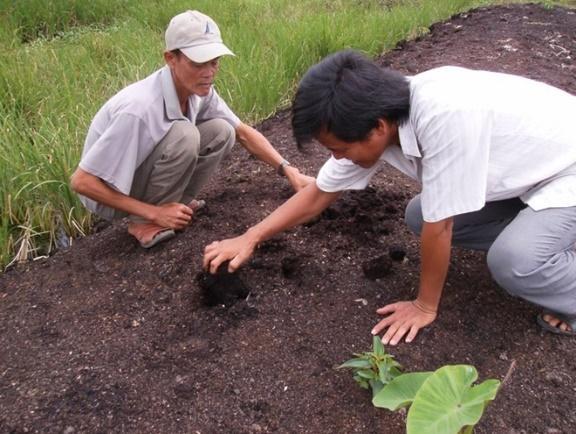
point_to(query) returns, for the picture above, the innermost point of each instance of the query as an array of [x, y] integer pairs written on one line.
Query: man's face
[[190, 77], [365, 153]]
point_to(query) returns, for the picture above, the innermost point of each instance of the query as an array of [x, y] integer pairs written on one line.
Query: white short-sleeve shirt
[[476, 136], [131, 123]]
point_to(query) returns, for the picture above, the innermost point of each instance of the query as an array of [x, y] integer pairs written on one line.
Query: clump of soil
[[107, 337], [222, 288]]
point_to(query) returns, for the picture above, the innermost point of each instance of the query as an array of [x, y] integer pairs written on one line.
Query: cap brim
[[205, 53]]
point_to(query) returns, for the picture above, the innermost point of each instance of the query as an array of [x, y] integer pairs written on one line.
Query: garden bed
[[107, 337]]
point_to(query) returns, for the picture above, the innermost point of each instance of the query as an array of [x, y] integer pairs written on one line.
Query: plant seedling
[[373, 369], [441, 402]]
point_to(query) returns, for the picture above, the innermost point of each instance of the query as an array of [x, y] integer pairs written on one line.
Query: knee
[[224, 129], [186, 142], [413, 215], [510, 267], [224, 134]]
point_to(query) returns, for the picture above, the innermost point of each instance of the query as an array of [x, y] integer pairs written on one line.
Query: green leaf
[[400, 392], [378, 347], [362, 383], [447, 401], [356, 363], [368, 374], [394, 371], [376, 386]]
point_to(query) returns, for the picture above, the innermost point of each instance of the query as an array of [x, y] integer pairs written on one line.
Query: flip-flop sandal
[[556, 330], [160, 236]]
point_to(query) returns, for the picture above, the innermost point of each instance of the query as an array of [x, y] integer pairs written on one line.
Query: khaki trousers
[[182, 163]]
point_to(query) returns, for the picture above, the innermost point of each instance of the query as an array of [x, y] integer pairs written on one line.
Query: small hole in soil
[[397, 253], [378, 267], [290, 266], [221, 288]]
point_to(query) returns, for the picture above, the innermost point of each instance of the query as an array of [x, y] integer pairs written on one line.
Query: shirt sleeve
[[214, 107], [455, 152], [117, 152], [338, 175]]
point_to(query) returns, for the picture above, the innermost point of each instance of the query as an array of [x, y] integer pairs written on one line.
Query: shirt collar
[[171, 103], [408, 141]]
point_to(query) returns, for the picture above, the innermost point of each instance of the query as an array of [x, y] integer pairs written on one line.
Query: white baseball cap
[[197, 36]]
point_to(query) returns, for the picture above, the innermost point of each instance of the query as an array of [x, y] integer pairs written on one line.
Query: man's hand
[[238, 250], [297, 180], [406, 318], [172, 215]]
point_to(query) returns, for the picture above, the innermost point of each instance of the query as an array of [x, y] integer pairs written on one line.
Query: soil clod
[[222, 288]]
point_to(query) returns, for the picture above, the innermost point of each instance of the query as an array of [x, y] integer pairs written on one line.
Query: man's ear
[[169, 57], [383, 127]]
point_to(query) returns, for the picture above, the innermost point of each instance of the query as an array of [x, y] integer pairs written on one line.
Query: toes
[[555, 322]]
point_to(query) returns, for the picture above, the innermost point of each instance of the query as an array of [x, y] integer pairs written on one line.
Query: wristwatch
[[283, 164]]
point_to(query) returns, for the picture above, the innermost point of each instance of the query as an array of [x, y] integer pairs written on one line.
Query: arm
[[255, 143], [408, 317], [300, 208], [170, 215]]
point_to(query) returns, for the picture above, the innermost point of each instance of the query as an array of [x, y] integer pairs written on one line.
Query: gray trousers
[[181, 163], [531, 254]]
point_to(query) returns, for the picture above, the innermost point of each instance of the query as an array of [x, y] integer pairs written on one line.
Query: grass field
[[62, 59]]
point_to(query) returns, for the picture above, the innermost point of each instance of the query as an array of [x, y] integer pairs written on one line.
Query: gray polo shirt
[[131, 123]]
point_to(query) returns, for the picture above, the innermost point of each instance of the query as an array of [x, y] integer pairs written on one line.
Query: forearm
[[94, 188], [436, 242], [256, 144], [300, 208]]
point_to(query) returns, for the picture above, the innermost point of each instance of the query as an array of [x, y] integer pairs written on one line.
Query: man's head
[[348, 99], [193, 50]]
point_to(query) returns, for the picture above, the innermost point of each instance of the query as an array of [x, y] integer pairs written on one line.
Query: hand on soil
[[237, 250], [404, 319], [173, 215]]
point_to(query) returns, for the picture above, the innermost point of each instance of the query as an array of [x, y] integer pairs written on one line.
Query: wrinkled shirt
[[476, 136], [131, 123]]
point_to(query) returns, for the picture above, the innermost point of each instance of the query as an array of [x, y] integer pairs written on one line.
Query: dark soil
[[106, 337]]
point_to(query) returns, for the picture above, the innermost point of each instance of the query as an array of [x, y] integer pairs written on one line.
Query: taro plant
[[373, 369], [440, 402]]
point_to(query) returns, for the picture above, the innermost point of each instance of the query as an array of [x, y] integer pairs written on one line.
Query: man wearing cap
[[152, 146]]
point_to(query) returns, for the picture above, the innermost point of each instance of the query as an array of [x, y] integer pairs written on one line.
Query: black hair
[[346, 94]]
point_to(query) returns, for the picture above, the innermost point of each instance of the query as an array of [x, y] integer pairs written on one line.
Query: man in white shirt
[[495, 155], [153, 145]]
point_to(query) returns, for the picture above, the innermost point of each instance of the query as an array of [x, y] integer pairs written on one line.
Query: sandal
[[546, 326], [150, 234]]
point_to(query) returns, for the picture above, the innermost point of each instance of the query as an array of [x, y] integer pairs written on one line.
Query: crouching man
[[496, 158], [153, 145]]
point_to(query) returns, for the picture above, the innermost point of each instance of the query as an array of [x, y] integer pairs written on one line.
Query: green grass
[[62, 59]]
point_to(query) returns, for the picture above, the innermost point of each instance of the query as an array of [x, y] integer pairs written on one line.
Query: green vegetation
[[373, 369], [61, 59], [441, 402]]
